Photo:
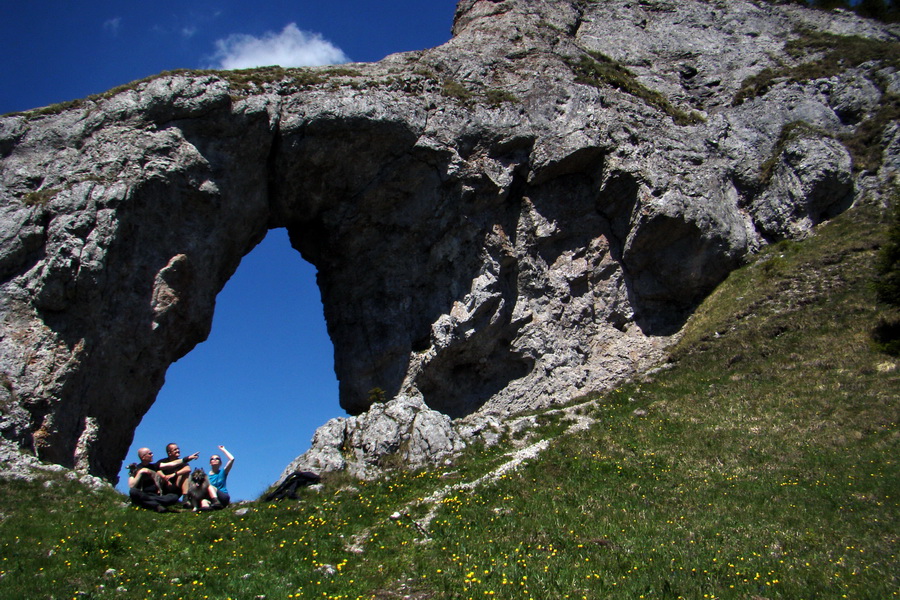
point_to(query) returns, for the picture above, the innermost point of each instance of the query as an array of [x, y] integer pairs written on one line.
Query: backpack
[[288, 487]]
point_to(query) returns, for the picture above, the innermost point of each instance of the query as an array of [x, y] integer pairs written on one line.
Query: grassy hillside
[[761, 464]]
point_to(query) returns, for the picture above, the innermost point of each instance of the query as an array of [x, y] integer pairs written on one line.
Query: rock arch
[[488, 230]]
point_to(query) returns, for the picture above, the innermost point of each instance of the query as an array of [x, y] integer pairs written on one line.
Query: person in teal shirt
[[218, 476]]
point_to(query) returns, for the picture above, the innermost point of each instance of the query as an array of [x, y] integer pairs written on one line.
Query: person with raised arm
[[218, 475]]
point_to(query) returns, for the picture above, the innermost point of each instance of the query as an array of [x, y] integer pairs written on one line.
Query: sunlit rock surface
[[496, 225]]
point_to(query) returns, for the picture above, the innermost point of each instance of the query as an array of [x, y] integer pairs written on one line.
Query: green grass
[[762, 464]]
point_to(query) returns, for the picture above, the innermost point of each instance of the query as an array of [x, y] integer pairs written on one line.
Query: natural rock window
[[263, 380]]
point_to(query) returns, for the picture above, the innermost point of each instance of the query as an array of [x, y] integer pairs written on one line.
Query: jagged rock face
[[404, 429], [489, 233]]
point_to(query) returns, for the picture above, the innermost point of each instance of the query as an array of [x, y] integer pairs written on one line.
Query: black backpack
[[288, 487]]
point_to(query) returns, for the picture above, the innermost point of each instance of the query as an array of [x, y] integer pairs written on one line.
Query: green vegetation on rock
[[790, 131], [865, 142], [599, 70], [822, 55], [457, 91], [497, 97], [39, 197]]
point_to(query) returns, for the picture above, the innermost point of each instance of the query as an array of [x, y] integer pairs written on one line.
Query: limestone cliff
[[521, 215]]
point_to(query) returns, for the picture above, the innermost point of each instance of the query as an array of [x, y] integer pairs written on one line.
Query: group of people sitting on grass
[[164, 483]]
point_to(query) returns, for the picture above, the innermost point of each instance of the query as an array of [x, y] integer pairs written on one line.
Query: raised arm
[[230, 462], [176, 464]]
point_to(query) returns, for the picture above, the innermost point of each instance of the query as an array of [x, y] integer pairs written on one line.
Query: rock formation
[[519, 216], [403, 431]]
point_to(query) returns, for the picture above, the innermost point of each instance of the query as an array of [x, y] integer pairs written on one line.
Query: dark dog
[[199, 494]]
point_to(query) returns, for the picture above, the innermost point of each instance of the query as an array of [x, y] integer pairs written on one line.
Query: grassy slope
[[763, 464]]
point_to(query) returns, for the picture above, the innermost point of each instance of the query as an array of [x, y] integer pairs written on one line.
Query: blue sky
[[264, 380]]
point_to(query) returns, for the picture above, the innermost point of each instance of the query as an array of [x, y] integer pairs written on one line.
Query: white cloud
[[112, 25], [290, 48]]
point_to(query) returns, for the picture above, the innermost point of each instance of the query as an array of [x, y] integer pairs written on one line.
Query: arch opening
[[260, 384]]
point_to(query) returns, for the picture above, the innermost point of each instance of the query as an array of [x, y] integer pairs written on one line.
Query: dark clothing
[[146, 483], [151, 501], [170, 488], [146, 495], [288, 487], [224, 498]]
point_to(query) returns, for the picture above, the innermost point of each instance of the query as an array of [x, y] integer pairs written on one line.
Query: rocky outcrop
[[519, 216], [403, 431]]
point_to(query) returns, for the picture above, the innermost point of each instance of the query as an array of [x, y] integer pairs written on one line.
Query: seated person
[[218, 475], [175, 471], [145, 485]]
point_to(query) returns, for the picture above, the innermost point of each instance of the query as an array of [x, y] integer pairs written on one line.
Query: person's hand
[[193, 456]]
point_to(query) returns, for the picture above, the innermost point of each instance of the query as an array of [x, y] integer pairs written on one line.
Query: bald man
[[145, 486]]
